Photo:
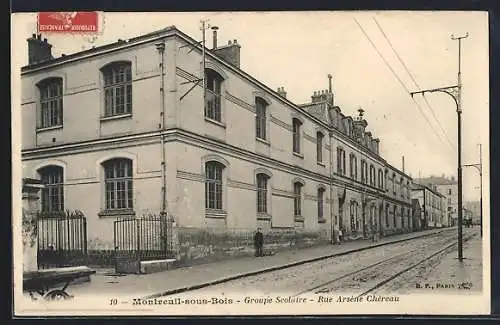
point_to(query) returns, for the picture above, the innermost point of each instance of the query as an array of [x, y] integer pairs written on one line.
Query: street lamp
[[479, 168], [455, 92]]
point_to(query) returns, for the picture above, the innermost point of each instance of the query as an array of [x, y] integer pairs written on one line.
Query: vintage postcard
[[271, 163]]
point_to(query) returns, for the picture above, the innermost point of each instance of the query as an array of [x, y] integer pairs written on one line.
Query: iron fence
[[141, 239], [62, 239]]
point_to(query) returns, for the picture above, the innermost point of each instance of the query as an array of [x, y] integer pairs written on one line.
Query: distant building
[[432, 205], [417, 215], [449, 188], [475, 208], [467, 216]]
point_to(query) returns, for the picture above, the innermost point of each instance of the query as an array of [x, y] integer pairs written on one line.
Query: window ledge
[[116, 213], [321, 220], [322, 164], [218, 123], [115, 117], [264, 141], [49, 128], [216, 214], [299, 219], [263, 216], [300, 155]]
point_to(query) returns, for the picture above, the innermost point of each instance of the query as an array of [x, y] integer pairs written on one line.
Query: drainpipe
[[161, 50], [331, 113], [332, 222]]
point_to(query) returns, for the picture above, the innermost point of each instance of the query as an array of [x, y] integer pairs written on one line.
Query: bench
[[44, 282]]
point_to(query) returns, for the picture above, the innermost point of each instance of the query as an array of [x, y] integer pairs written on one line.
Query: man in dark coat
[[258, 242]]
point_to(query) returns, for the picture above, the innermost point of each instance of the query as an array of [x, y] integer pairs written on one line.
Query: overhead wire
[[399, 80], [414, 81]]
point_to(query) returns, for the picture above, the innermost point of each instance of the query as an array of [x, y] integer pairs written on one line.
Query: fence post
[[138, 254], [84, 236]]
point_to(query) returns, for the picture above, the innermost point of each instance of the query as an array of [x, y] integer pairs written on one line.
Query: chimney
[[230, 53], [360, 125], [38, 50], [214, 33], [282, 92], [403, 161]]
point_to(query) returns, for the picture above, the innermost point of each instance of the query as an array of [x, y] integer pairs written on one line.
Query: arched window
[[380, 179], [364, 175], [296, 126], [262, 193], [260, 118], [213, 86], [53, 193], [117, 88], [353, 164], [341, 161], [51, 102], [297, 195], [213, 185], [372, 175], [319, 146], [321, 199], [118, 184]]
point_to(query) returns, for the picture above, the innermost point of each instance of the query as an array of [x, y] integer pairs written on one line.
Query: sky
[[298, 50]]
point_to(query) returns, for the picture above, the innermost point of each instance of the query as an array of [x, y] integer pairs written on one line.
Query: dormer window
[[117, 89]]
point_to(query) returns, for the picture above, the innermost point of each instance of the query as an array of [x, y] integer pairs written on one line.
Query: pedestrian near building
[[258, 242], [336, 233]]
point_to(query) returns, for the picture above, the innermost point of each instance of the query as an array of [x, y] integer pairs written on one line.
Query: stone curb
[[280, 267]]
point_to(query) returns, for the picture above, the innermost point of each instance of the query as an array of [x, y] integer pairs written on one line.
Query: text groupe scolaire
[[265, 300]]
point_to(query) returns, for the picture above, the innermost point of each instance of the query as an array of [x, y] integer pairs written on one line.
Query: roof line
[[162, 33]]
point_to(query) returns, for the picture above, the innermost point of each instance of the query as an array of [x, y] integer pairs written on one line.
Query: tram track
[[308, 276], [367, 274]]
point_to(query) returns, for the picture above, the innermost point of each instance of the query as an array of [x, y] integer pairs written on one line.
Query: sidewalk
[[451, 276], [198, 276]]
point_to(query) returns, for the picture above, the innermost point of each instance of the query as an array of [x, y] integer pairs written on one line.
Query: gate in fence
[[141, 239], [62, 239]]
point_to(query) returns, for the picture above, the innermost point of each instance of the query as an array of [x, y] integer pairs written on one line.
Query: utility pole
[[479, 167], [333, 221], [455, 92]]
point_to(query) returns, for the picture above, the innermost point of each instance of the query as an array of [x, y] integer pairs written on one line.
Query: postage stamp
[[75, 22], [278, 163]]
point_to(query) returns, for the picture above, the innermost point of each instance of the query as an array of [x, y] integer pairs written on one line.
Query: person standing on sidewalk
[[258, 242], [336, 233]]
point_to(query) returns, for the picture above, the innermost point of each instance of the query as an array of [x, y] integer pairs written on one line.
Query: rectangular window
[[117, 89], [118, 184], [262, 193], [321, 194], [296, 135], [213, 88], [53, 193], [297, 193], [260, 118], [51, 103], [319, 147]]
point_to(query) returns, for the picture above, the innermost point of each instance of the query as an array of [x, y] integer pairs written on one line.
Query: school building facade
[[127, 129]]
